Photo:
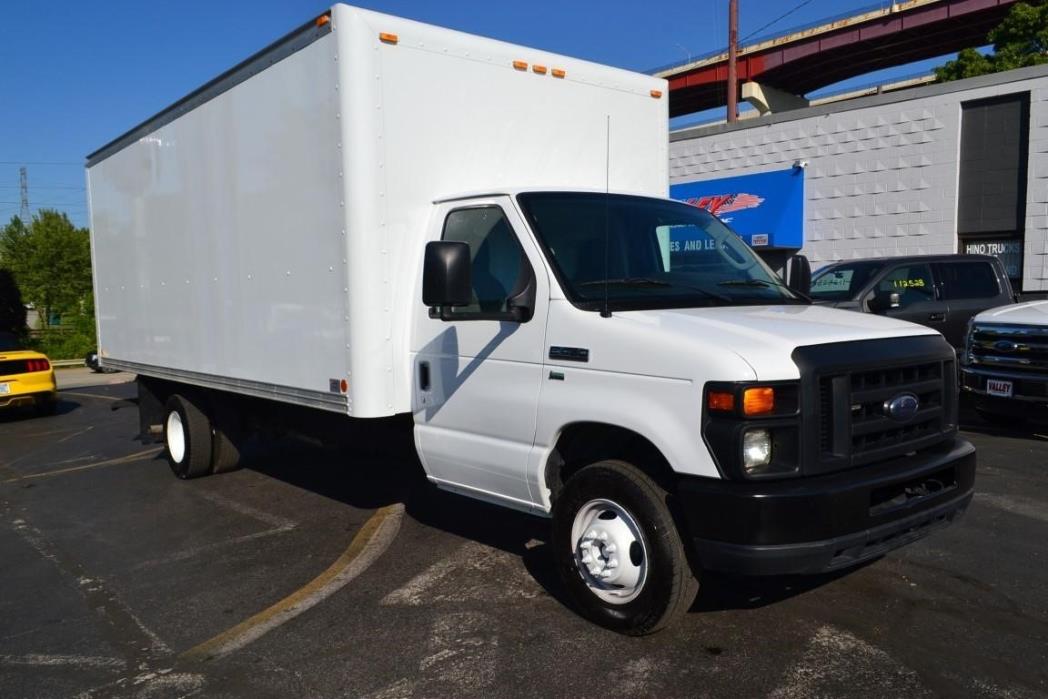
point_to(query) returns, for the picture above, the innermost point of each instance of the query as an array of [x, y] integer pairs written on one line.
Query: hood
[[1029, 313], [765, 336]]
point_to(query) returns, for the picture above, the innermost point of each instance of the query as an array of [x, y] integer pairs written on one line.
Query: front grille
[[854, 424], [12, 366], [1018, 348]]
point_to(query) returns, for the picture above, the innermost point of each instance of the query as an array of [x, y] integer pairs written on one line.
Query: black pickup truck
[[940, 291]]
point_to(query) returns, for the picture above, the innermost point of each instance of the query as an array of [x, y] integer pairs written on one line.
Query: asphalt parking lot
[[319, 573]]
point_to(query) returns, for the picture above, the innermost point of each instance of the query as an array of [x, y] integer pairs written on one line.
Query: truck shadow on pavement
[[27, 413], [370, 477]]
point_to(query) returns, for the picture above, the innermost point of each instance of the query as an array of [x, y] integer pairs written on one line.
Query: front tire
[[187, 438], [618, 551]]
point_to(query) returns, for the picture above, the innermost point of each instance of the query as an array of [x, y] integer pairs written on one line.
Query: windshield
[[659, 254], [842, 282]]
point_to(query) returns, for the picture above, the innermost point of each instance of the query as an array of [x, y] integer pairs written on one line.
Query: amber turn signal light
[[758, 401], [720, 400]]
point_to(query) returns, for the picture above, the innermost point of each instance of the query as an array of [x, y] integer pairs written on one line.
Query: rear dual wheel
[[194, 444]]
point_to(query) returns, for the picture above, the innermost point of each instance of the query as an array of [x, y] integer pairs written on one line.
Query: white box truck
[[375, 217]]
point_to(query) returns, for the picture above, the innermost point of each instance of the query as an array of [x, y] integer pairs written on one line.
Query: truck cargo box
[[262, 234]]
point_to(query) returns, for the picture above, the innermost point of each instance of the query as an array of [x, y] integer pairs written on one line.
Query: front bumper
[[27, 389], [1027, 387], [824, 523]]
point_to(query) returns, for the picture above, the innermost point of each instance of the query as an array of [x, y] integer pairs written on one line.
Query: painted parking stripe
[[137, 456], [366, 547]]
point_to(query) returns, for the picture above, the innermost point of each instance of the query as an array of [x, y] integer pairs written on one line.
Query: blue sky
[[78, 73]]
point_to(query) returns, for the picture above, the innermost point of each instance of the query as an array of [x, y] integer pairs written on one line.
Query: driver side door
[[919, 297], [478, 373]]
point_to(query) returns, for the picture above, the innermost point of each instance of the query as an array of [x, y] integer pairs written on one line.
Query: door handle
[[423, 376], [937, 316]]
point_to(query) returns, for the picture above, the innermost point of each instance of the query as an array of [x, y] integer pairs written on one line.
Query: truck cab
[[574, 358], [940, 291]]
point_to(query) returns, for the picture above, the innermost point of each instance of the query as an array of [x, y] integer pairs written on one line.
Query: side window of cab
[[909, 284], [497, 262]]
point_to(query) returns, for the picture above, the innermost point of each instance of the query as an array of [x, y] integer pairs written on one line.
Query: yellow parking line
[[89, 395], [365, 548], [152, 451]]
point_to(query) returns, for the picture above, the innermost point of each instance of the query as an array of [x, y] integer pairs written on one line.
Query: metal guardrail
[[62, 363]]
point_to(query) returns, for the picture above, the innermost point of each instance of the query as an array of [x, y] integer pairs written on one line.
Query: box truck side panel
[[439, 113], [218, 239]]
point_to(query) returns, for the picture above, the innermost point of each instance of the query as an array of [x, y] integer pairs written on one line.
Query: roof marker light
[[541, 70], [387, 38], [559, 73], [656, 94], [322, 20], [520, 65]]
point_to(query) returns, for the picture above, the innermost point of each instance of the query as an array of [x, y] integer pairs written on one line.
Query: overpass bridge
[[785, 68]]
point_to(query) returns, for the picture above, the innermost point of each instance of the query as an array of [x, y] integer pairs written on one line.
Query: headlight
[[756, 450], [753, 429]]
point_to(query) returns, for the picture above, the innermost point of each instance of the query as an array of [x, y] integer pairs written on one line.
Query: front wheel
[[618, 550]]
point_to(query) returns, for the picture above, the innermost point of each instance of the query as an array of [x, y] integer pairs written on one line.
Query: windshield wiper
[[645, 282], [763, 283], [627, 281]]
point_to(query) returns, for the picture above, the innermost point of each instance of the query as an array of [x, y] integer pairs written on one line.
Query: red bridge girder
[[807, 60]]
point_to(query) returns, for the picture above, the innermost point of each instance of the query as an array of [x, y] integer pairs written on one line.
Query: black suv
[[940, 291]]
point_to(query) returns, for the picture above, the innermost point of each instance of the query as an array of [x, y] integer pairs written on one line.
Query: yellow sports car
[[26, 378]]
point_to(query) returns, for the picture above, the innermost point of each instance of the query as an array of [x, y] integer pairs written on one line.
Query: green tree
[[51, 261], [1020, 40], [12, 310]]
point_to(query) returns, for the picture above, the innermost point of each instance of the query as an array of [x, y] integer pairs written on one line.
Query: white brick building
[[884, 172]]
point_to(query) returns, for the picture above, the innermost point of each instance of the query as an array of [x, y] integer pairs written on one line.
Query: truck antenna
[[605, 312]]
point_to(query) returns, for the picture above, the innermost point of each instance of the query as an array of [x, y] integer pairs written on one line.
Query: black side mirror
[[800, 275], [882, 301], [446, 275], [521, 303]]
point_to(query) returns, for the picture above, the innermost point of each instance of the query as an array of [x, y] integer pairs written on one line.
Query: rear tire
[[226, 439], [187, 438], [643, 582]]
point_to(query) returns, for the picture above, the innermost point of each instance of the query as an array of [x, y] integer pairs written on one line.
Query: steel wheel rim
[[610, 552], [176, 437]]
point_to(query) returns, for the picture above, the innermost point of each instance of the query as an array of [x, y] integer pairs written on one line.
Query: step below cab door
[[478, 371]]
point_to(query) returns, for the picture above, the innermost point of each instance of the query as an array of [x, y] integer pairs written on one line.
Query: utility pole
[[733, 50], [23, 188]]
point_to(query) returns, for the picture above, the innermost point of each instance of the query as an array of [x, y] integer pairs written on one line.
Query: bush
[[68, 342]]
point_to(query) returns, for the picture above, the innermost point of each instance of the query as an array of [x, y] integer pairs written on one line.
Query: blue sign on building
[[766, 209]]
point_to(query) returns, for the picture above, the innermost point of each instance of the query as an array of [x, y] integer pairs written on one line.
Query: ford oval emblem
[[1005, 346], [902, 407]]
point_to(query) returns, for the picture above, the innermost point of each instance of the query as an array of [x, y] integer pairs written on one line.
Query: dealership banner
[[766, 209]]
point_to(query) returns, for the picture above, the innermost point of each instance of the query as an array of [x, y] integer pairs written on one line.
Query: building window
[[991, 208]]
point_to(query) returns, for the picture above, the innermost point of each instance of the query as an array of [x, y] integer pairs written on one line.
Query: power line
[[41, 204], [777, 19], [41, 162], [42, 186]]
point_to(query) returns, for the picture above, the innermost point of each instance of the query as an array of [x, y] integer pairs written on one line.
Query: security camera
[[800, 164]]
